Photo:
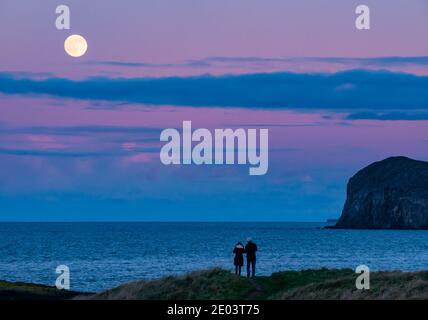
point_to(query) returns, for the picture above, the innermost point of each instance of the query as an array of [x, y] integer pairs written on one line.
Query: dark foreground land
[[221, 284], [29, 291]]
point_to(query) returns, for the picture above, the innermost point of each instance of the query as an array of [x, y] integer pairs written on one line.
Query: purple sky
[[68, 157]]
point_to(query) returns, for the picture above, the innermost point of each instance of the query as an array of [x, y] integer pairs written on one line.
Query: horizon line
[[164, 221]]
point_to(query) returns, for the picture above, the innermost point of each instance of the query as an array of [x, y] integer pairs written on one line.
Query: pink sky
[[104, 155]]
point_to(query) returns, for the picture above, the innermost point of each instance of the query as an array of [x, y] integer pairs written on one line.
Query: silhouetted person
[[250, 250], [238, 261]]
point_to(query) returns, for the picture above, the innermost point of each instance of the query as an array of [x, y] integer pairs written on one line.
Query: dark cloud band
[[348, 90]]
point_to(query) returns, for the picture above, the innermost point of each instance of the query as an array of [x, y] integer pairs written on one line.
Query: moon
[[75, 45]]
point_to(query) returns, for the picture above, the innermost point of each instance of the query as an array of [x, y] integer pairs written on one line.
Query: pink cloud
[[140, 158], [45, 142]]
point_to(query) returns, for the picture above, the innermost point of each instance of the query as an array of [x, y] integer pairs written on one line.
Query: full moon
[[75, 45]]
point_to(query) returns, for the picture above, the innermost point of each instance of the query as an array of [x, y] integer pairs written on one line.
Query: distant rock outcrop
[[390, 194]]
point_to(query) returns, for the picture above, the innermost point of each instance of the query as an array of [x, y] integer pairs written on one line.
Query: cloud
[[276, 125], [377, 61], [136, 64], [373, 61], [130, 64], [80, 130], [54, 153], [75, 154], [239, 61], [33, 75], [348, 90], [91, 142], [388, 116]]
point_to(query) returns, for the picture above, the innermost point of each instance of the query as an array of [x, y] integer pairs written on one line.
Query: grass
[[383, 285], [210, 284], [29, 291], [308, 284], [217, 283]]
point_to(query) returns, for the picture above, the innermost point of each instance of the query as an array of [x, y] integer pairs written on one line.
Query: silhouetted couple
[[250, 250]]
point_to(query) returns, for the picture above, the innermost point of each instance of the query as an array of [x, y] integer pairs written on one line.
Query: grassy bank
[[29, 291], [309, 284], [221, 284]]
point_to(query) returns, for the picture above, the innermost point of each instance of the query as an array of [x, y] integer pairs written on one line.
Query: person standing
[[250, 250], [238, 261]]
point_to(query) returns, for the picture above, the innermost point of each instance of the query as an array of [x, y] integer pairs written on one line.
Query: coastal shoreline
[[220, 284]]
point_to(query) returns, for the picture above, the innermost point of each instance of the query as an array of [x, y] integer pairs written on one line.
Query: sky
[[79, 137]]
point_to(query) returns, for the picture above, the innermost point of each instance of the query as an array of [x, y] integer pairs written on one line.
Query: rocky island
[[389, 194]]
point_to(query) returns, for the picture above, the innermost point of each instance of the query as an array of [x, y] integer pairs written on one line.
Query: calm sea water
[[103, 255]]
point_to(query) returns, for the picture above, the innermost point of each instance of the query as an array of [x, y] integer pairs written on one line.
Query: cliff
[[390, 194]]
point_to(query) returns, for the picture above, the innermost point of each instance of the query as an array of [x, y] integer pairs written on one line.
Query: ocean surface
[[104, 255]]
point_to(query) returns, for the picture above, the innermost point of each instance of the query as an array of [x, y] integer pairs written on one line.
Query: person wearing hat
[[250, 250]]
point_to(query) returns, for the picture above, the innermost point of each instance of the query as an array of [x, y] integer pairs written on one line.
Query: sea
[[104, 255]]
